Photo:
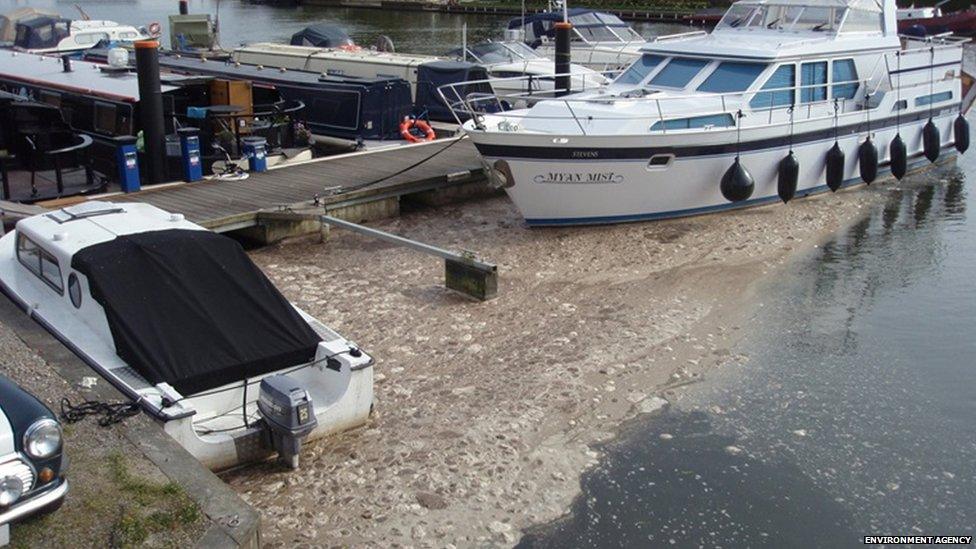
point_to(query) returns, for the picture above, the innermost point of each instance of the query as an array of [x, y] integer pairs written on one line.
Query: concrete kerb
[[233, 523]]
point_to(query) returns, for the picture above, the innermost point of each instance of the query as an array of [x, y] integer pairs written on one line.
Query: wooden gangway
[[338, 181]]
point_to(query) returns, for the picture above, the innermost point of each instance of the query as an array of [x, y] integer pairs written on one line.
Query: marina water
[[853, 414], [240, 22]]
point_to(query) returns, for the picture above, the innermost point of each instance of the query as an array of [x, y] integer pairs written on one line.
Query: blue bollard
[[190, 154], [255, 149], [128, 163]]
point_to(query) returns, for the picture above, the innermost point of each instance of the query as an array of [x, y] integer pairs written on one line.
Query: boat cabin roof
[[85, 78], [778, 29], [66, 231]]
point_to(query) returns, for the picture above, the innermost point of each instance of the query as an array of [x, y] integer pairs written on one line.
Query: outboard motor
[[287, 410]]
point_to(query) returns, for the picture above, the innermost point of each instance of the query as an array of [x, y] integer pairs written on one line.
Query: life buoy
[[409, 123], [350, 47], [154, 29]]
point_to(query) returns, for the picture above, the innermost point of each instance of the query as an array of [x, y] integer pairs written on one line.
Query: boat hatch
[[84, 210]]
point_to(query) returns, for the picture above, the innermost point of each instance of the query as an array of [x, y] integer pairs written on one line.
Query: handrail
[[476, 107]]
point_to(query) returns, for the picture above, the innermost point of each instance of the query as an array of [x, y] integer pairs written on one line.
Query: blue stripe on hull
[[605, 220]]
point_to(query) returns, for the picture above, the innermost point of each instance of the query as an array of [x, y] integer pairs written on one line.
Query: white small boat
[[600, 41], [181, 321], [706, 122], [57, 35], [514, 68]]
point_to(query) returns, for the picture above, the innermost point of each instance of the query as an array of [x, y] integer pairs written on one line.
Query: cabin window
[[863, 21], [40, 262], [639, 70], [724, 120], [783, 82], [924, 100], [74, 290], [678, 72], [732, 76], [811, 76], [900, 105], [844, 71], [105, 118]]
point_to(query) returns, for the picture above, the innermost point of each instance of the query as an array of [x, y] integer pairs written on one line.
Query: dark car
[[31, 457]]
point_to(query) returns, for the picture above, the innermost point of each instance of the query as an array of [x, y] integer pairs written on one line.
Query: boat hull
[[615, 185]]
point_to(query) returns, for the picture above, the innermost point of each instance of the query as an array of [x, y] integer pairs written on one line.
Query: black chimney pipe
[[66, 63], [151, 109], [563, 57], [184, 7]]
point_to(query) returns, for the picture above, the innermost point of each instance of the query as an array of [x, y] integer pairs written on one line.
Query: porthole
[[74, 290], [660, 161]]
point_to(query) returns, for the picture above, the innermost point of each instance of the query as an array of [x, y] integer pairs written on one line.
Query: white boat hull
[[566, 191]]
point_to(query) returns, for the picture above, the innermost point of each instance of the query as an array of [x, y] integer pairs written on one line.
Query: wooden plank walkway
[[343, 179]]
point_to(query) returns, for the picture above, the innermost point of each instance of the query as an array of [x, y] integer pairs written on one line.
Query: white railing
[[475, 106]]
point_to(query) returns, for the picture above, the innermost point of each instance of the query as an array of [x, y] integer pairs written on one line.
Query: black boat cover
[[41, 32], [322, 35], [189, 308], [431, 76]]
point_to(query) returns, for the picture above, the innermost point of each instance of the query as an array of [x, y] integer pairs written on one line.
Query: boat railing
[[679, 36], [731, 106]]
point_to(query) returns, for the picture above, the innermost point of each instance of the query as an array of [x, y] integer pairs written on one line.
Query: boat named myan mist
[[783, 99]]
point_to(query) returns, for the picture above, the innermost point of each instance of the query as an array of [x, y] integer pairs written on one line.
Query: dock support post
[[563, 58], [463, 272], [151, 109]]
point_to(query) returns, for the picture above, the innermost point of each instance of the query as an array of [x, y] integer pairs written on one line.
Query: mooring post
[[563, 58], [463, 272], [151, 109]]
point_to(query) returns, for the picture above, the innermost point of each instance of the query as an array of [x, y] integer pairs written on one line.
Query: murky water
[[411, 31], [853, 416]]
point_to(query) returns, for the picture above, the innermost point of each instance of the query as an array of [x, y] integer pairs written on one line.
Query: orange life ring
[[350, 47], [154, 29], [409, 123]]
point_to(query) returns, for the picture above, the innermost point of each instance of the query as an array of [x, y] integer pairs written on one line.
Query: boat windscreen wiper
[[820, 26], [773, 22], [735, 23]]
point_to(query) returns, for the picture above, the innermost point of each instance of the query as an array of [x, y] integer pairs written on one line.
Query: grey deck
[[224, 205]]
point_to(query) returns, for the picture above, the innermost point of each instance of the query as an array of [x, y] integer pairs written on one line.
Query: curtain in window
[[784, 77], [844, 71], [732, 76], [810, 75]]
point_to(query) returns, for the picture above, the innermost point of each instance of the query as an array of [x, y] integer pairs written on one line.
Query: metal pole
[[151, 109], [563, 57], [462, 272], [419, 246]]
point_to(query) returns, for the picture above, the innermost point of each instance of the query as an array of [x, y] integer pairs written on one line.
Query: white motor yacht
[[600, 41], [509, 62], [181, 321], [783, 99]]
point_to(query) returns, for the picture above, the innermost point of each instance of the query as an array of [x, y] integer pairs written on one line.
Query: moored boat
[[183, 323], [601, 41], [784, 98], [931, 20], [57, 35]]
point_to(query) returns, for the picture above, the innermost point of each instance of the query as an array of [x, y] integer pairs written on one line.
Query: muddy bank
[[485, 411]]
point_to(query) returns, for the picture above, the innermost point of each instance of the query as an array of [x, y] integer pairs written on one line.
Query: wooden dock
[[356, 186]]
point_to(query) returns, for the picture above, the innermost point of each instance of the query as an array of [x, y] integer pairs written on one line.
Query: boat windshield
[[602, 27], [498, 52], [782, 17]]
